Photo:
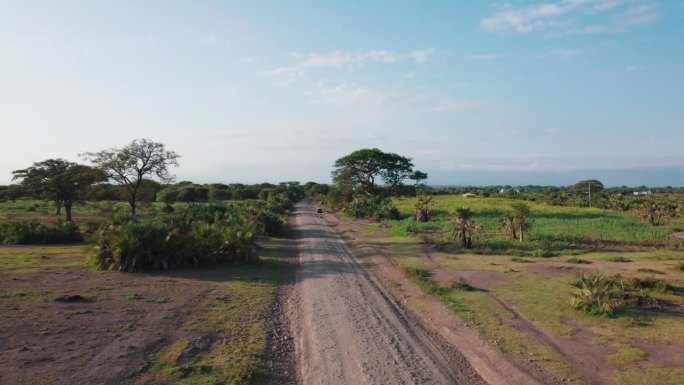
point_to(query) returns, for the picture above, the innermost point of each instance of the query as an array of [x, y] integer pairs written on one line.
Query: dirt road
[[347, 330]]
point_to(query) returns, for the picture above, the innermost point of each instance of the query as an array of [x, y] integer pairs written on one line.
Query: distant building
[[469, 195], [642, 193]]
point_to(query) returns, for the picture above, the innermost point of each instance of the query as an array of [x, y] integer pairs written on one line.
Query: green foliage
[[161, 299], [599, 294], [360, 171], [578, 261], [464, 229], [461, 285], [33, 232], [619, 259], [193, 235], [596, 294], [375, 207]]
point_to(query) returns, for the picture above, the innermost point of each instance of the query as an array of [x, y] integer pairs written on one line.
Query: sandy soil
[[348, 330]]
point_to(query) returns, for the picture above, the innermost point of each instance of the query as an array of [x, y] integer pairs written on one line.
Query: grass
[[132, 296], [161, 299], [619, 259], [556, 226], [545, 299], [578, 261], [32, 259], [234, 318]]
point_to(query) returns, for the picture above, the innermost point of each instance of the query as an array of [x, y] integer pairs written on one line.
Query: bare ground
[[74, 326]]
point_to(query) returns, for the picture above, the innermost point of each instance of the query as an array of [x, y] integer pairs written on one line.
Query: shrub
[[578, 261], [374, 208], [198, 234], [599, 294], [33, 232], [596, 294], [542, 253], [618, 259], [648, 283], [461, 285]]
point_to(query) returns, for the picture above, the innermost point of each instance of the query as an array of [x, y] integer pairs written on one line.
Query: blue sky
[[478, 92]]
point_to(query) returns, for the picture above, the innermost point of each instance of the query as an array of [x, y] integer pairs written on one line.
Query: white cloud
[[347, 60], [630, 69], [347, 95], [564, 17]]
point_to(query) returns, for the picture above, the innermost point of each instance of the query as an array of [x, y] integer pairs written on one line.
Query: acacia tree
[[59, 180], [131, 164], [361, 170]]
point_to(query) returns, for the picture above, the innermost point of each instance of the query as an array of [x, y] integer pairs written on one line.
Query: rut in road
[[347, 330]]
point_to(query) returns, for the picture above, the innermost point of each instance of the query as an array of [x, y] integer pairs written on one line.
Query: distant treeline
[[185, 191]]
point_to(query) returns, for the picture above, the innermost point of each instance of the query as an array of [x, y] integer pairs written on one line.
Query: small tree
[[422, 208], [59, 180], [130, 164], [507, 223], [521, 210], [464, 228]]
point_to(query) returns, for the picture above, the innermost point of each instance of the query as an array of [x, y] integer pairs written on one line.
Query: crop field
[[521, 303], [551, 226]]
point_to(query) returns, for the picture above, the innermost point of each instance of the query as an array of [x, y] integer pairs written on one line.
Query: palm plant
[[422, 208], [507, 224], [521, 210], [597, 294], [464, 228]]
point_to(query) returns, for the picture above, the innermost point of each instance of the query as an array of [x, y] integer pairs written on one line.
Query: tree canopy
[[583, 186], [131, 164], [59, 180], [361, 170]]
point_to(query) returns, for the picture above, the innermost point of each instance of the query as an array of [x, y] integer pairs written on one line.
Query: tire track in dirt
[[347, 330]]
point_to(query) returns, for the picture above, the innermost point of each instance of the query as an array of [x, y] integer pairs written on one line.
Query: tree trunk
[[58, 207], [521, 232], [132, 203], [421, 215], [67, 208], [513, 234]]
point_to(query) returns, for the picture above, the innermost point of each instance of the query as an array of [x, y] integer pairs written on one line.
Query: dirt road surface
[[347, 329]]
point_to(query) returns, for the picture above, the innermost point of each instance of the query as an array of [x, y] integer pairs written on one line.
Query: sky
[[475, 92]]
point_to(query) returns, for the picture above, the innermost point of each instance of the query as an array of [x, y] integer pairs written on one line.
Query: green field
[[551, 226]]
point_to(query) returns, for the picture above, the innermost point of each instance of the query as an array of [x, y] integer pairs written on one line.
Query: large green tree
[[363, 169], [132, 163], [59, 180]]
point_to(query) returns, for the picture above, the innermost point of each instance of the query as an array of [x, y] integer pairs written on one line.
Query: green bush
[[33, 232], [196, 235], [578, 261], [375, 208], [599, 294], [596, 294], [618, 259]]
